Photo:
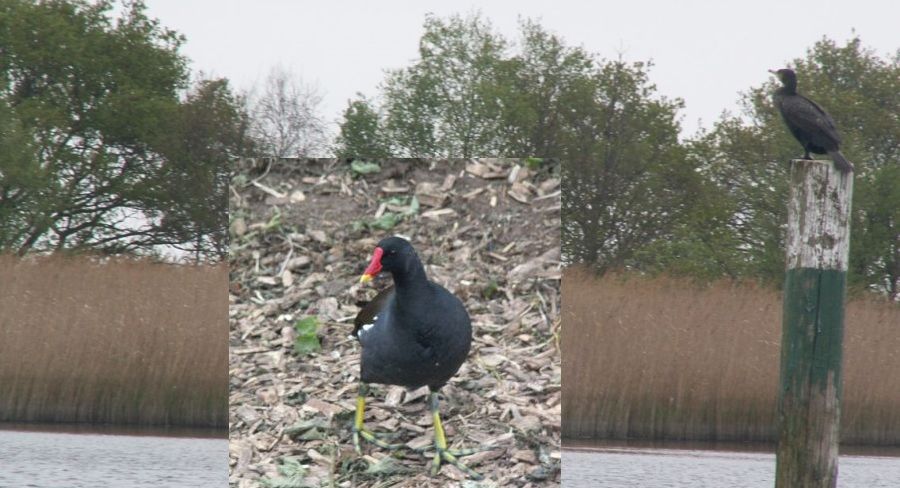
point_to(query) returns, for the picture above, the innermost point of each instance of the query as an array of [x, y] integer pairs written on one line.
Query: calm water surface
[[698, 466], [41, 458]]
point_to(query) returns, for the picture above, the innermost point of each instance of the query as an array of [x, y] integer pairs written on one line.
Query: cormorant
[[807, 121], [414, 334]]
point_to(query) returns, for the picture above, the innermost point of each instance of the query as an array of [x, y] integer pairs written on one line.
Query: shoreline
[[117, 429], [635, 446]]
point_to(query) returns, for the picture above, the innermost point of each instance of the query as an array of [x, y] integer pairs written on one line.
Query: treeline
[[109, 143], [474, 93], [636, 196], [106, 141]]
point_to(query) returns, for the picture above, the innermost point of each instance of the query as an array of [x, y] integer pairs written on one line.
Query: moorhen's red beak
[[374, 266]]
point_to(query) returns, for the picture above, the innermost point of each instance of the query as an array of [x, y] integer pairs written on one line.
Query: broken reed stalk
[[809, 400]]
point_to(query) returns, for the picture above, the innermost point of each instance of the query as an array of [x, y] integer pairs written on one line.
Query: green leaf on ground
[[295, 398], [307, 430], [490, 290], [274, 222], [292, 475], [387, 221], [387, 466], [413, 206], [307, 341], [364, 167], [401, 207], [533, 163]]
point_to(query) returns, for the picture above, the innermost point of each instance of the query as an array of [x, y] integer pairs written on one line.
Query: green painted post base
[[810, 396]]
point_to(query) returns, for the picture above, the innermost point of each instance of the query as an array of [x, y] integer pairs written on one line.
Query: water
[[38, 458], [616, 466]]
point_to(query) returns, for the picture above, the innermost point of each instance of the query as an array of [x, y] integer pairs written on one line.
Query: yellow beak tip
[[365, 278]]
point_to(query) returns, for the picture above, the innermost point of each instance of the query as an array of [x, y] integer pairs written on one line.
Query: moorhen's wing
[[370, 311]]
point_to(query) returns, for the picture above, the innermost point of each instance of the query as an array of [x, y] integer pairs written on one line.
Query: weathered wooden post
[[809, 401]]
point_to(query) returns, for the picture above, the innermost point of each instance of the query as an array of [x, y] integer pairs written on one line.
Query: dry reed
[[663, 358], [122, 342]]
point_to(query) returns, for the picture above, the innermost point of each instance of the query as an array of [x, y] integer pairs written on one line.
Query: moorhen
[[413, 334]]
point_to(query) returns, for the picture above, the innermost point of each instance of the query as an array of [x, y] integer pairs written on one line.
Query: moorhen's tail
[[841, 162]]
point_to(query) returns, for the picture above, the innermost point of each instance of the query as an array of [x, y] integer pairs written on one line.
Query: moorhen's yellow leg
[[440, 444], [360, 430]]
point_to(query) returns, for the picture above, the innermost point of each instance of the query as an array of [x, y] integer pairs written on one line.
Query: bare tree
[[285, 117]]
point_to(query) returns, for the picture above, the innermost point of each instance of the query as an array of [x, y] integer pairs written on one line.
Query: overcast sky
[[705, 52]]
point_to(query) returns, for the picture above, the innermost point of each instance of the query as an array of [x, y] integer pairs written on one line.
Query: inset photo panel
[[731, 284], [114, 167], [395, 319]]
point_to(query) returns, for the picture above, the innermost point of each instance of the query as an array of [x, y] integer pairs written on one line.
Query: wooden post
[[809, 401]]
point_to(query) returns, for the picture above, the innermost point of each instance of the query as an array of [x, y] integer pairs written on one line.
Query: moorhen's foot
[[454, 452], [372, 437], [359, 429], [442, 453], [452, 457]]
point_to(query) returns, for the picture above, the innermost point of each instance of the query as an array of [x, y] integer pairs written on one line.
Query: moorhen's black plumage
[[414, 334], [807, 121]]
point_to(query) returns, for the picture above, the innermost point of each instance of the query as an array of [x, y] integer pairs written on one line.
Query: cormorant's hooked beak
[[374, 266]]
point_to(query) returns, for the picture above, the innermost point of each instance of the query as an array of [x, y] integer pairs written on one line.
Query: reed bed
[[662, 358], [113, 341]]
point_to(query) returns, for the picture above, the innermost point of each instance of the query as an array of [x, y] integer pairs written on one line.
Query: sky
[[705, 52]]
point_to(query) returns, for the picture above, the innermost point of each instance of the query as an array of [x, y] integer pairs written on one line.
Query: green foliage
[[716, 205], [275, 222], [20, 177], [443, 104], [387, 221], [490, 290], [364, 167], [295, 398], [399, 208], [362, 134], [307, 430], [127, 164], [192, 202], [533, 163], [542, 91], [405, 206], [293, 474], [875, 238], [636, 197], [387, 466], [469, 94], [307, 340], [628, 181]]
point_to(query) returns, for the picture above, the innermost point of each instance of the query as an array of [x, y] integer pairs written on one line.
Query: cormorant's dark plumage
[[807, 121]]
